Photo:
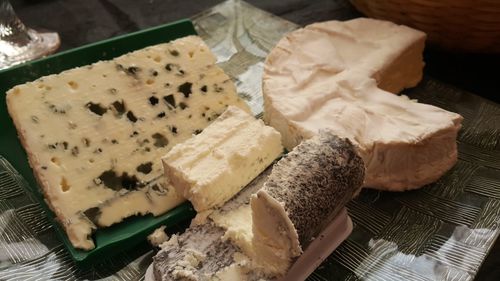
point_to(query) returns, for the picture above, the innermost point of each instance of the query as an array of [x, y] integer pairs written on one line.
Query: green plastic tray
[[133, 231]]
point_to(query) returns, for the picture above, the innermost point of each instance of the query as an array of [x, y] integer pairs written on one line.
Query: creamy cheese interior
[[213, 166], [275, 239]]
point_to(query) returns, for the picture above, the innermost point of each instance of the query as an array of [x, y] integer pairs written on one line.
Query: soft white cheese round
[[336, 75]]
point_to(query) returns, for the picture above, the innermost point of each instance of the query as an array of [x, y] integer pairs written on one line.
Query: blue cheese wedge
[[94, 135], [213, 166]]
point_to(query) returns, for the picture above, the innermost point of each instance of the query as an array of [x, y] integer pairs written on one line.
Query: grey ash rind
[[195, 255], [315, 181]]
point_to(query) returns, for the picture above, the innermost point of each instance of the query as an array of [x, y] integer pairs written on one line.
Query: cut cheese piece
[[200, 254], [213, 166], [235, 216], [238, 225], [290, 205], [215, 247], [158, 236], [330, 75], [305, 191], [95, 134]]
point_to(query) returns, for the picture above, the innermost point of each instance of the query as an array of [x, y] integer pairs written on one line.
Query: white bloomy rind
[[335, 75]]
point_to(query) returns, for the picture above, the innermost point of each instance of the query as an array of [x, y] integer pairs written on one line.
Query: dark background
[[82, 22]]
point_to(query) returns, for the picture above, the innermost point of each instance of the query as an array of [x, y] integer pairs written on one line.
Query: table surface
[[82, 22]]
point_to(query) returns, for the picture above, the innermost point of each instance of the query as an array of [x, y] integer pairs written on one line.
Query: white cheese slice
[[95, 134], [213, 166], [330, 75]]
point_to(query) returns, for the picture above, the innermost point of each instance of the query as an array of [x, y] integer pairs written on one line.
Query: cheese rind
[[306, 189], [389, 53], [213, 166], [329, 76], [94, 135]]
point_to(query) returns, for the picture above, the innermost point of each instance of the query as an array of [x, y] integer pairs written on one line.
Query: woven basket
[[458, 25]]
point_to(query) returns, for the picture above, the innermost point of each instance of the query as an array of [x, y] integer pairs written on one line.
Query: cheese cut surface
[[235, 216], [216, 247], [213, 166], [330, 75], [259, 233], [95, 134]]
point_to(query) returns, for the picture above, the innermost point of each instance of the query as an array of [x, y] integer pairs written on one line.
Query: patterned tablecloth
[[441, 232]]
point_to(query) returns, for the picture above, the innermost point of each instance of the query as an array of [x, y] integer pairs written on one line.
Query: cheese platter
[[394, 235]]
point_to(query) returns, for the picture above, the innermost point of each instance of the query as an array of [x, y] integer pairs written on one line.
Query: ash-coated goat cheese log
[[304, 192], [94, 135], [259, 233]]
